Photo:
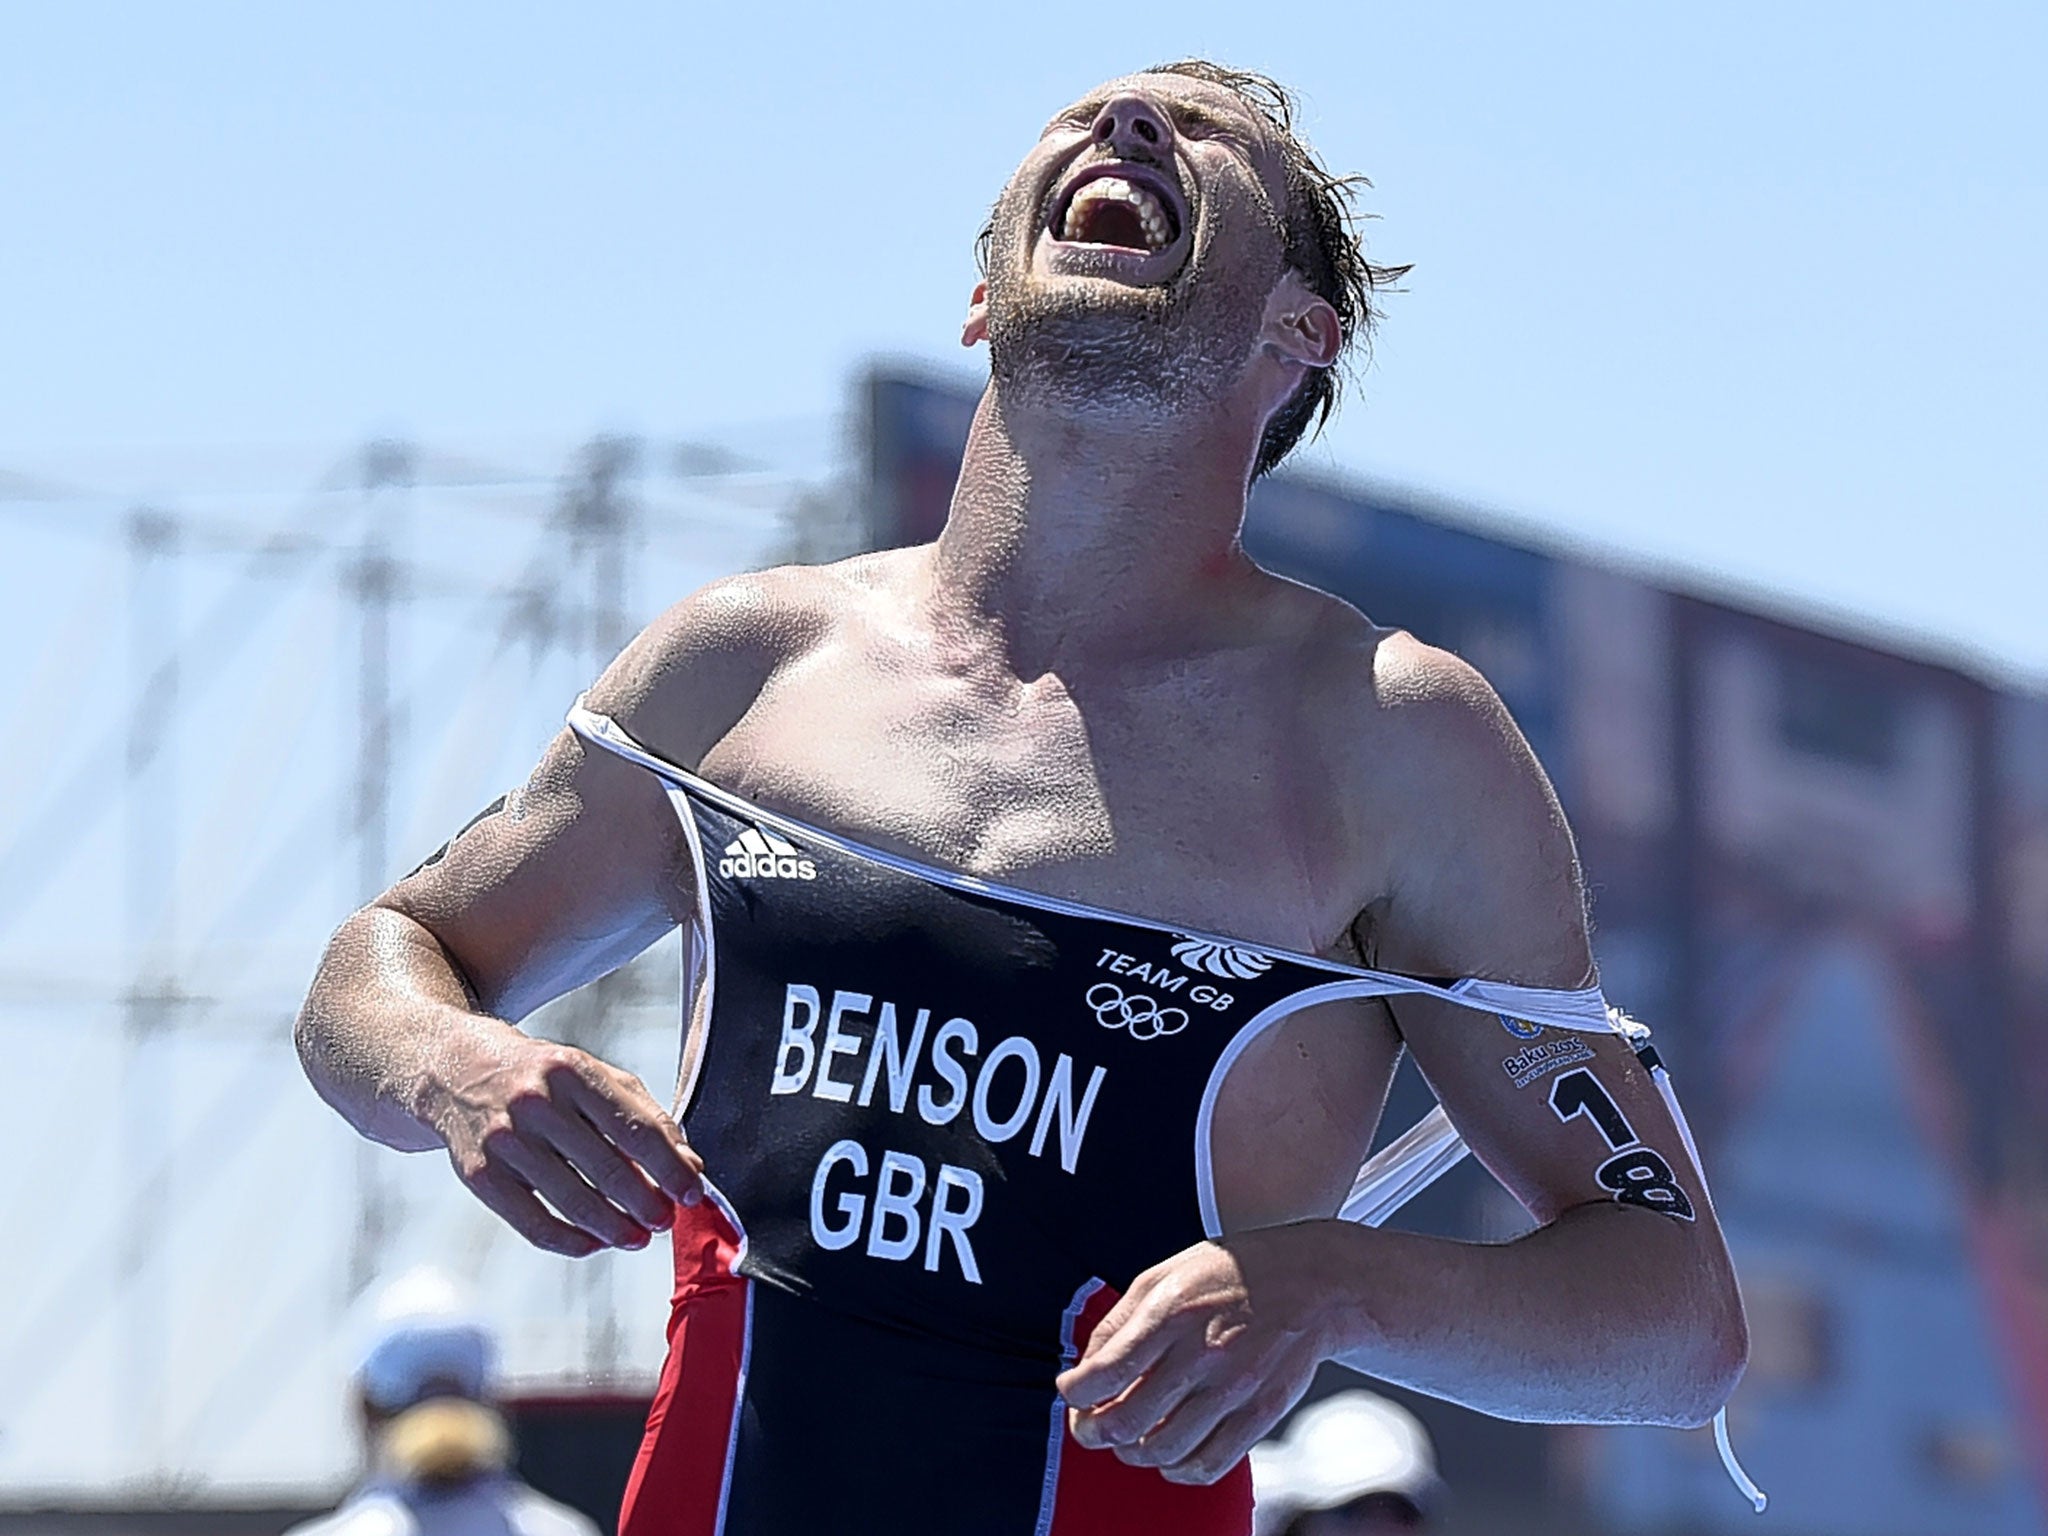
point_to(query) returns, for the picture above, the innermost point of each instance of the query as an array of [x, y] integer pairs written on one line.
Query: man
[[962, 764], [440, 1456]]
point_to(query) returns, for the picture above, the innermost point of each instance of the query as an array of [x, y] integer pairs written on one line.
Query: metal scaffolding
[[314, 689]]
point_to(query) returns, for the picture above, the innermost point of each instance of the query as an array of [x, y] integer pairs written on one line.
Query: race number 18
[[1635, 1174]]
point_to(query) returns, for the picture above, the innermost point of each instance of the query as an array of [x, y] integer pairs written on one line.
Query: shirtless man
[[1083, 690]]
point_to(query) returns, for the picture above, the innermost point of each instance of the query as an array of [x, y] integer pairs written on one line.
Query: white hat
[[1339, 1449], [424, 1338]]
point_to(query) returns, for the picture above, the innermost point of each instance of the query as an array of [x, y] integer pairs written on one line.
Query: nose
[[1131, 126]]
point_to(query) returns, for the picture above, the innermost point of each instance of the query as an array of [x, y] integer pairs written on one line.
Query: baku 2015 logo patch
[[1521, 1029]]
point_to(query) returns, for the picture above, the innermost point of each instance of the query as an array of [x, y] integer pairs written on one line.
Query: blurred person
[[1058, 899], [1353, 1464], [439, 1455]]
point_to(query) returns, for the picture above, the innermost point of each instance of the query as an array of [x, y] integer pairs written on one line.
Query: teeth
[[1151, 215]]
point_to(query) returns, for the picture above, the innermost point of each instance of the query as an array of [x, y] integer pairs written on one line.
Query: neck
[[1107, 535]]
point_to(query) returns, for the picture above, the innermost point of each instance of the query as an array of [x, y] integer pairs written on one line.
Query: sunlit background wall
[[371, 374]]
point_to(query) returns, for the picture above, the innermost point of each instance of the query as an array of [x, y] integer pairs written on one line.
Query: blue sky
[[1747, 290]]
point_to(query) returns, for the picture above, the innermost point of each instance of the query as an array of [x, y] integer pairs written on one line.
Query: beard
[[1092, 345]]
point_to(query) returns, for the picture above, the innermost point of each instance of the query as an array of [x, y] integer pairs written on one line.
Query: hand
[[530, 1121], [1205, 1353]]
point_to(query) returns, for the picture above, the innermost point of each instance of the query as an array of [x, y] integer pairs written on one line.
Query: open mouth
[[1120, 207]]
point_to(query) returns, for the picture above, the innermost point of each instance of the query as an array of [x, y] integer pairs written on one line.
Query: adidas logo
[[759, 855]]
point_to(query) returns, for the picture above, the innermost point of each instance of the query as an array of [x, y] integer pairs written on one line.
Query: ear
[[975, 328], [1300, 324]]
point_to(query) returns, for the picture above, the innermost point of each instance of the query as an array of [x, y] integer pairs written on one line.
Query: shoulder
[[531, 1513], [1450, 742], [1411, 718], [1416, 721], [783, 610], [1438, 711], [690, 675], [1380, 690], [744, 626], [1481, 872], [365, 1514]]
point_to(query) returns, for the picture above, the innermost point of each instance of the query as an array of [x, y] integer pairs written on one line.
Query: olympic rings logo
[[1134, 1011]]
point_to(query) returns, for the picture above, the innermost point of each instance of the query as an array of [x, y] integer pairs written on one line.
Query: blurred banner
[[1820, 871]]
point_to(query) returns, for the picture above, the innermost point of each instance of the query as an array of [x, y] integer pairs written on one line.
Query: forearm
[[1606, 1315], [387, 1018]]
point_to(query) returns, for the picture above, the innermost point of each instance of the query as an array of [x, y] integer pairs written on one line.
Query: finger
[[1122, 1420], [1123, 1309], [1173, 1439], [1224, 1447], [562, 1187], [516, 1205], [1105, 1371], [623, 1110], [604, 1166]]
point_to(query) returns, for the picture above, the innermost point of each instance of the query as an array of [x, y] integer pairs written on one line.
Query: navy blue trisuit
[[948, 1122]]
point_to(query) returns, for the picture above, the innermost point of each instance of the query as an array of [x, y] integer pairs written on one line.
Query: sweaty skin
[[1086, 689]]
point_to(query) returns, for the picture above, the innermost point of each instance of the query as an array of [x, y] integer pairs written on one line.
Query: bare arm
[[1621, 1306], [409, 1026], [1611, 1310]]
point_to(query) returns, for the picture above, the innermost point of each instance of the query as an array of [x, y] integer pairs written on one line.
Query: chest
[[1194, 793]]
